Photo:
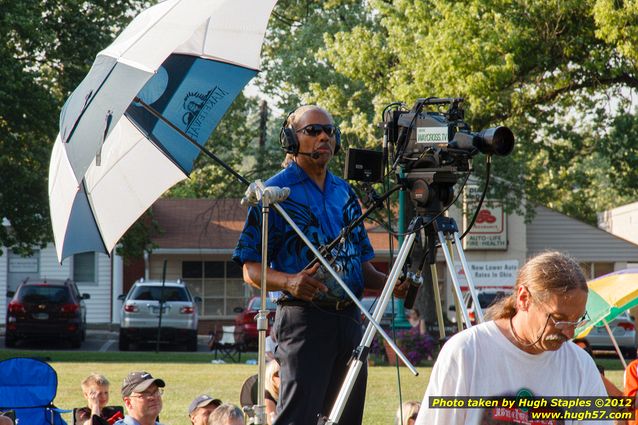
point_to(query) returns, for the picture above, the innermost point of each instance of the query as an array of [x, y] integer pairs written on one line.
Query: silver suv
[[140, 314]]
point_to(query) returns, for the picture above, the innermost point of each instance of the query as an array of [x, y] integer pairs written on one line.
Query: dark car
[[245, 320], [45, 309]]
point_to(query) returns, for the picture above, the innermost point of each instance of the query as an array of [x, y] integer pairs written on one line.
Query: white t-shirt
[[482, 362]]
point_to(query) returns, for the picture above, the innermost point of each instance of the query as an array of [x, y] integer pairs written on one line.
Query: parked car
[[47, 308], [245, 320], [370, 304], [140, 314], [486, 297], [623, 328]]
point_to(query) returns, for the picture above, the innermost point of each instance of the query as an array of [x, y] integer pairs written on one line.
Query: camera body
[[433, 147]]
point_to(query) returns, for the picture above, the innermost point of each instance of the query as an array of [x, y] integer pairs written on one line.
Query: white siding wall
[[621, 221], [49, 266], [98, 308]]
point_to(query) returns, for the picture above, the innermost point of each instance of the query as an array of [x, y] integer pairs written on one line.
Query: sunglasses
[[314, 130]]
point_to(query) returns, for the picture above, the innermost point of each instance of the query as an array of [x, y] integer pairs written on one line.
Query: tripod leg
[[457, 300], [470, 283], [361, 353], [437, 301], [455, 278], [457, 313]]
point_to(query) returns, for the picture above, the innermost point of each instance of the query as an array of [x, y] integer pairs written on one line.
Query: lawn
[[190, 374]]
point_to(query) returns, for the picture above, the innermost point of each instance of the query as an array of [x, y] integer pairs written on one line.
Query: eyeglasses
[[314, 130], [566, 324], [147, 395], [563, 325]]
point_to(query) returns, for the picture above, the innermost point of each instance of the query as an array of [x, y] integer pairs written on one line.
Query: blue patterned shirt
[[321, 216]]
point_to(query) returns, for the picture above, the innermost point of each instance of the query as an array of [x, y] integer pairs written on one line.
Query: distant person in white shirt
[[523, 351]]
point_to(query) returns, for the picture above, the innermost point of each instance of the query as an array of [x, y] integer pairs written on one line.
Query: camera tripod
[[433, 228]]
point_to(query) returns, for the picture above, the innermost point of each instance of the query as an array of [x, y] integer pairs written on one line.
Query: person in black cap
[[201, 408], [142, 395]]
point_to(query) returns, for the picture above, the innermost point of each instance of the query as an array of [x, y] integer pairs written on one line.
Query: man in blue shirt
[[316, 326]]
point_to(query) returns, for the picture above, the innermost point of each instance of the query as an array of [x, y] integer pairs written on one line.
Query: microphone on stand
[[415, 283]]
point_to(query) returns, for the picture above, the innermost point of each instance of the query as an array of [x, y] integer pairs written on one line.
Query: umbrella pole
[[613, 340], [208, 153]]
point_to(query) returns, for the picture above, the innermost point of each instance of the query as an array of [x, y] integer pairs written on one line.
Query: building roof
[[214, 225], [553, 230]]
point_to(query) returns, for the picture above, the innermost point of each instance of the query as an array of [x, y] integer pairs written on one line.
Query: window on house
[[219, 284], [594, 270], [84, 267]]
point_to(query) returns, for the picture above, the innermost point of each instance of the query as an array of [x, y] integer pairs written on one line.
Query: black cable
[[488, 168]]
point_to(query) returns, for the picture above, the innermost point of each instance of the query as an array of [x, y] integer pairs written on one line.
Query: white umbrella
[[184, 60]]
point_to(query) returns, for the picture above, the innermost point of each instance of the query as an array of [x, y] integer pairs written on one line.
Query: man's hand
[[304, 286], [401, 288]]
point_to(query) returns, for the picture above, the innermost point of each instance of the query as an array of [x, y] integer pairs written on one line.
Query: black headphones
[[288, 136]]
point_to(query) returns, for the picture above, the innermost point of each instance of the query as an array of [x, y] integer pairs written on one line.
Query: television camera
[[433, 147]]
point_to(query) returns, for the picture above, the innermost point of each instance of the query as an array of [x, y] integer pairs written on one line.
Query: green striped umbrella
[[609, 296]]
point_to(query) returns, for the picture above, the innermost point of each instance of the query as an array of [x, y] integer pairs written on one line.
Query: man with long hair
[[523, 351]]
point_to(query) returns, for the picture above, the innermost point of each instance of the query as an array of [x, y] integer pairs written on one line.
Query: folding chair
[[227, 343], [28, 387]]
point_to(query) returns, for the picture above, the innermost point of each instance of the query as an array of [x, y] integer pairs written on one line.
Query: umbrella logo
[[193, 103], [198, 106]]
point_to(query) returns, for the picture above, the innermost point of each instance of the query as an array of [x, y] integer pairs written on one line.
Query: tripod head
[[430, 192]]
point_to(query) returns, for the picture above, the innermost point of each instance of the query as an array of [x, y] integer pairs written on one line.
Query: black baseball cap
[[201, 401], [136, 382]]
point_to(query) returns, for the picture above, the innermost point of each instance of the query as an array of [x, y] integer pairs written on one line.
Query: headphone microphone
[[313, 154]]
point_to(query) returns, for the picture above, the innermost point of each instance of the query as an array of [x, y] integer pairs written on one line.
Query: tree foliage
[[559, 73], [47, 47]]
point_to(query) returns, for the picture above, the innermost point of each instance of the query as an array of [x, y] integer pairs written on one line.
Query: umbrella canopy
[[609, 296], [186, 60]]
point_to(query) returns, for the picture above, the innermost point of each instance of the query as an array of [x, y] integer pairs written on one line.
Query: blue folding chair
[[28, 387]]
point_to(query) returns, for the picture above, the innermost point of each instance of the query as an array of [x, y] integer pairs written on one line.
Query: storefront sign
[[490, 228], [490, 273], [23, 264]]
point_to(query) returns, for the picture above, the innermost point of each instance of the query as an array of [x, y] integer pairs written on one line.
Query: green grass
[[190, 374]]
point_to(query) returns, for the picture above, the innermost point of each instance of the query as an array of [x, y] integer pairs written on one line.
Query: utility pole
[[263, 119]]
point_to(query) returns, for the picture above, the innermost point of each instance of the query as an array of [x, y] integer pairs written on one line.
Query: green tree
[[559, 73], [47, 47]]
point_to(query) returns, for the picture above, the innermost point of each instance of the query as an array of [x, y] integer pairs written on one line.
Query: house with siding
[[198, 236]]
